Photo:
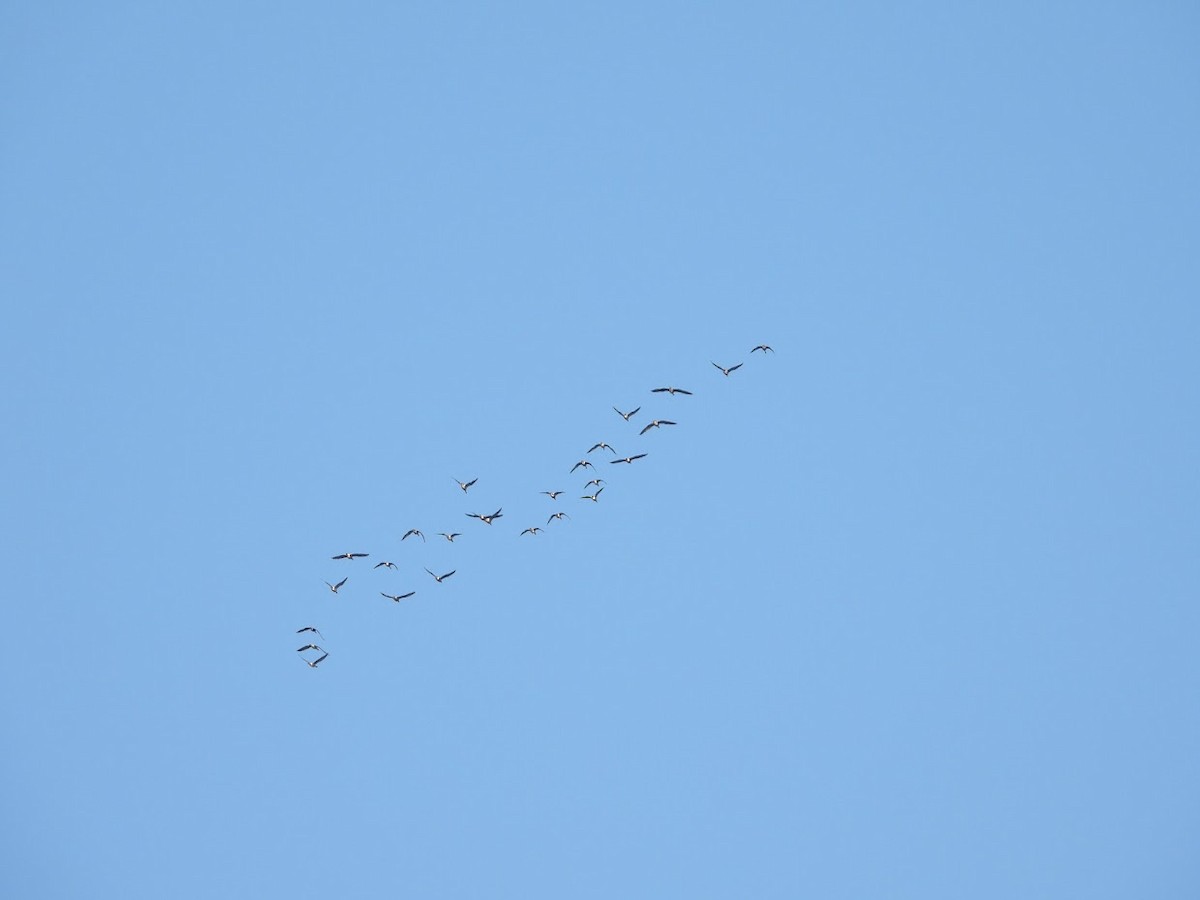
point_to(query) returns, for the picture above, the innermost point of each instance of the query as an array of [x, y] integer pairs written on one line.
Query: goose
[[764, 348], [487, 520], [390, 565], [314, 664], [465, 484], [411, 532], [602, 446], [557, 515], [627, 416], [334, 587], [655, 424], [308, 647], [535, 530], [397, 598], [582, 463], [725, 371], [595, 498], [312, 629], [350, 556], [440, 578], [553, 495], [596, 481], [627, 459], [451, 537], [670, 390]]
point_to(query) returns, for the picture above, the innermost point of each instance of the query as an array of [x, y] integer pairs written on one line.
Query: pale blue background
[[907, 610]]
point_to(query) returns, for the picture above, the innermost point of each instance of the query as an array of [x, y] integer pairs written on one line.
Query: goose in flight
[[655, 424], [390, 565], [315, 663], [465, 484], [350, 556], [411, 532], [312, 629], [627, 416], [764, 348], [595, 498], [596, 481], [627, 459], [451, 537], [725, 371], [553, 495], [487, 520], [557, 515], [334, 587], [602, 446], [440, 578], [584, 463], [308, 647], [534, 530], [671, 390], [397, 598]]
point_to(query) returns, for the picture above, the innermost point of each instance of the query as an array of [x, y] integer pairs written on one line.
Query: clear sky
[[907, 609]]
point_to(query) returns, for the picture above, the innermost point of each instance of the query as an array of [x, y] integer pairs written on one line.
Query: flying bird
[[314, 664], [763, 347], [334, 587], [584, 463], [451, 537], [553, 495], [725, 371], [595, 498], [602, 446], [350, 556], [487, 520], [627, 416], [390, 565], [557, 515], [627, 459], [440, 578], [596, 481], [397, 598], [308, 647], [670, 390], [411, 532], [465, 484], [534, 530], [655, 424], [312, 629]]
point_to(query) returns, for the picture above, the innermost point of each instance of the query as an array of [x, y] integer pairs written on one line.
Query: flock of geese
[[318, 654]]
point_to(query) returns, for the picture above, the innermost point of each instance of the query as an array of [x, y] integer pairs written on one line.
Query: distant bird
[[315, 663], [725, 371], [397, 598], [390, 565], [487, 520], [308, 647], [655, 424], [440, 578], [627, 416], [584, 463], [451, 537], [312, 629], [763, 347], [670, 390], [411, 532], [465, 484], [350, 556], [595, 498], [601, 446], [534, 530], [557, 515], [596, 481], [627, 459], [553, 495], [334, 587]]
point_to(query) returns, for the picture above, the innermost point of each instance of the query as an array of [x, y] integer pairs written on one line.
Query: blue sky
[[906, 609]]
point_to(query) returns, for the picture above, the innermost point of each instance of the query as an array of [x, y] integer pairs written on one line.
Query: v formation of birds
[[313, 654]]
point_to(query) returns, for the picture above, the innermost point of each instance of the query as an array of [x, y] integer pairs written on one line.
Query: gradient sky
[[907, 609]]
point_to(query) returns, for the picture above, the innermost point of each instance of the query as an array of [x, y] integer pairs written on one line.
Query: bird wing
[[340, 583], [317, 662], [735, 368]]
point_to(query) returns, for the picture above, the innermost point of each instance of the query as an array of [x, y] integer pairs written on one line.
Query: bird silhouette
[[655, 424], [670, 390], [313, 665], [764, 348], [557, 515], [451, 537], [465, 484], [350, 556], [487, 520], [602, 446], [553, 495], [334, 587], [534, 530], [627, 416], [627, 459], [390, 565], [312, 629], [308, 647], [725, 371], [595, 498], [583, 463], [397, 598], [440, 578], [411, 532]]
